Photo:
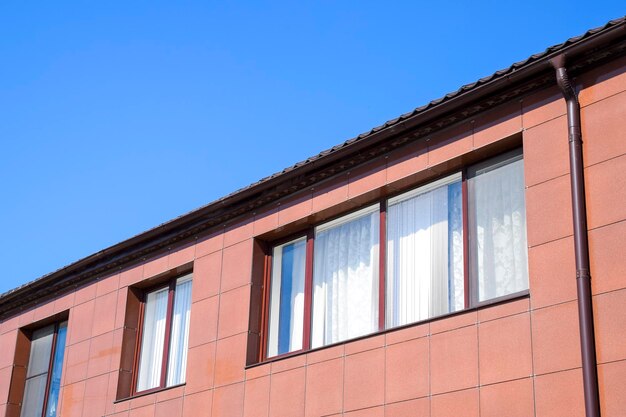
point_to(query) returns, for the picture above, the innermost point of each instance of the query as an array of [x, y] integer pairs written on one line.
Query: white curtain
[[425, 253], [153, 338], [177, 361], [287, 298], [345, 278], [498, 221]]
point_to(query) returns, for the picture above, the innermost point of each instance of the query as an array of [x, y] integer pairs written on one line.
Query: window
[[446, 246], [497, 228], [43, 372], [425, 252], [345, 278], [164, 335], [287, 294]]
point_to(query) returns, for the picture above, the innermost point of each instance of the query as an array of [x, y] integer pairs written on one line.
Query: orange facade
[[516, 358]]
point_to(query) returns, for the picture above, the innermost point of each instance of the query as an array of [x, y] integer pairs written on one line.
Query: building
[[428, 267]]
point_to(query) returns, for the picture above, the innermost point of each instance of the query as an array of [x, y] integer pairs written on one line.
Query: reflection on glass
[[57, 366], [287, 298]]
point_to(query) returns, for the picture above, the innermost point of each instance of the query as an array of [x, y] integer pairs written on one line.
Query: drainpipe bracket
[[575, 137]]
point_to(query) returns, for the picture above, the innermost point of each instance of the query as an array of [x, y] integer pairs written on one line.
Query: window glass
[[40, 348], [345, 278], [37, 371], [34, 395], [57, 366], [177, 362], [287, 298], [497, 228], [152, 340], [425, 253]]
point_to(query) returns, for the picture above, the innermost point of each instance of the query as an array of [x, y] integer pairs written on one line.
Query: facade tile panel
[[556, 338], [236, 265], [454, 360], [459, 403], [610, 326], [510, 399], [411, 408], [257, 397], [606, 253], [612, 385], [542, 106], [552, 282], [228, 401], [364, 385], [230, 360], [605, 187], [559, 394], [406, 370], [324, 388], [287, 393], [500, 123], [505, 349], [546, 151], [203, 322], [545, 218]]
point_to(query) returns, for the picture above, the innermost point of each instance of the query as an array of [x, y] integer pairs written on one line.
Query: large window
[[43, 373], [164, 336], [446, 246]]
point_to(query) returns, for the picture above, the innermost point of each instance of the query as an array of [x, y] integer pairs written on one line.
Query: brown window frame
[[170, 284], [308, 233]]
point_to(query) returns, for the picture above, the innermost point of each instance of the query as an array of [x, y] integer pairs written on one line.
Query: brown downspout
[[581, 246]]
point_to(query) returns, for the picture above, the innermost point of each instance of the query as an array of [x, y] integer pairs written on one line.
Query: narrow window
[[164, 336], [425, 253], [43, 375], [497, 227], [345, 278], [286, 317]]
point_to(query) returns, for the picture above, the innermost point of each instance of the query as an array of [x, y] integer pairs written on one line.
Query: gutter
[[581, 246]]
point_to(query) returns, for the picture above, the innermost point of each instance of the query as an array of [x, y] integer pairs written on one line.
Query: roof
[[442, 100], [583, 51]]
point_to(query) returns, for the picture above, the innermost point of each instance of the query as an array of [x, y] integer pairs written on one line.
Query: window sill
[[480, 306], [147, 392]]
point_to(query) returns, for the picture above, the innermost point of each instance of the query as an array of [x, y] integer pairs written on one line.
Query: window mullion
[[466, 257], [168, 331], [265, 327], [382, 262]]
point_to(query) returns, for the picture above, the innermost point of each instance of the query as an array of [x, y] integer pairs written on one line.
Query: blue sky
[[118, 116]]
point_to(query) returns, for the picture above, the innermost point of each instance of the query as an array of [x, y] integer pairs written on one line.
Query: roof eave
[[114, 256]]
